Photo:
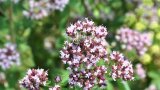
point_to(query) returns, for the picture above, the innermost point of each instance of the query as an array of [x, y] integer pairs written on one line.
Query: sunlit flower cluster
[[34, 79], [134, 40], [122, 68], [42, 8], [140, 71], [83, 52], [9, 56]]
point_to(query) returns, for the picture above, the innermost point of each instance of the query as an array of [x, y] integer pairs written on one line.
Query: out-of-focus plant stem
[[11, 28], [87, 11]]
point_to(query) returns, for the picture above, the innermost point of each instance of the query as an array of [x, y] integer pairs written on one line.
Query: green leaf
[[123, 85], [65, 77], [109, 86], [26, 55]]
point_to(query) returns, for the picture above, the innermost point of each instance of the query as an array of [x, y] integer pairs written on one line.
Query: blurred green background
[[39, 41]]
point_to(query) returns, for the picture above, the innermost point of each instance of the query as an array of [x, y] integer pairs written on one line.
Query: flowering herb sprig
[[86, 47], [42, 8], [82, 53]]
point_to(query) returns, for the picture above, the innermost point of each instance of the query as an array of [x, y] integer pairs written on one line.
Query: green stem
[[11, 28], [87, 11]]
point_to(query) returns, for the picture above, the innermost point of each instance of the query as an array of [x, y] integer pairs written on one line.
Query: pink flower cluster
[[84, 49], [42, 8], [131, 39], [140, 71], [37, 9], [9, 56], [34, 79], [83, 52], [122, 68]]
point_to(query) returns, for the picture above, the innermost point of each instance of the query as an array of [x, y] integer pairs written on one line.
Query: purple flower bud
[[57, 79]]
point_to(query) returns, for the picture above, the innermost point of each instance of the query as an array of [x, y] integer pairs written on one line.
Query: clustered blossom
[[42, 8], [140, 71], [37, 9], [87, 78], [131, 39], [34, 79], [83, 52], [122, 68], [9, 56]]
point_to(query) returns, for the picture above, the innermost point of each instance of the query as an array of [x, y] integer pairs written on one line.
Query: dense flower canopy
[[79, 44]]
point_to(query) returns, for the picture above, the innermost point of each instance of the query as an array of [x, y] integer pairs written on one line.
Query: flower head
[[42, 8], [9, 56], [134, 40], [83, 52], [122, 68], [37, 9], [34, 79]]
